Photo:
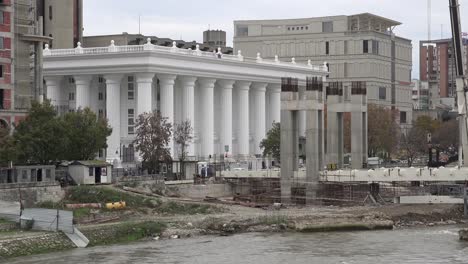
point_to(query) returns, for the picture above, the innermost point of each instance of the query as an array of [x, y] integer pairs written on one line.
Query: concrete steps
[[78, 238]]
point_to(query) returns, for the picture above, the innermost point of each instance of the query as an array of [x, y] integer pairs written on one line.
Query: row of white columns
[[206, 127]]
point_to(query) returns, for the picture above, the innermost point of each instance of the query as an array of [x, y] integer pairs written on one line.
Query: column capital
[[187, 79], [82, 79], [259, 87], [53, 80], [113, 78], [207, 82], [243, 85], [226, 84], [144, 77], [274, 87], [163, 76]]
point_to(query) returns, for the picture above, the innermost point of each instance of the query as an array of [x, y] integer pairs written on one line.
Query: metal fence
[[49, 219]]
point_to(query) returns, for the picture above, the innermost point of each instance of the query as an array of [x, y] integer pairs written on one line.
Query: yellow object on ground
[[116, 205]]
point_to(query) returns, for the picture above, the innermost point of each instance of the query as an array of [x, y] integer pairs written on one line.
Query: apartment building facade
[[437, 67], [25, 25], [359, 47]]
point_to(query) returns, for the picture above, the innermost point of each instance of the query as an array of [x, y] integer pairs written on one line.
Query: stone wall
[[34, 244], [32, 195]]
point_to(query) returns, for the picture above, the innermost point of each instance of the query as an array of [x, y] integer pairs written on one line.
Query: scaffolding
[[266, 190], [27, 62]]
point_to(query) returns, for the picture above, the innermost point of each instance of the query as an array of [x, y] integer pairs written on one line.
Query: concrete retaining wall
[[32, 195], [34, 244]]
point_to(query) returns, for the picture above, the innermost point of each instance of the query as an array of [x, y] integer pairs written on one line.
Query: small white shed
[[90, 172]]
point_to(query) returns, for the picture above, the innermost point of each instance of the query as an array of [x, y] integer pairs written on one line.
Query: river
[[418, 245]]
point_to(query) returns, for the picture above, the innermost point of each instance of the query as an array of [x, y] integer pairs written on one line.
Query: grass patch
[[81, 212], [272, 220], [124, 233], [188, 209], [90, 194], [4, 221], [345, 227], [49, 205]]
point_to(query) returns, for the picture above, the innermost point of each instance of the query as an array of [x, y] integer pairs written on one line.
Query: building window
[[101, 153], [402, 117], [345, 51], [293, 28], [101, 80], [382, 93], [2, 96], [327, 48], [48, 174], [307, 28], [100, 96], [375, 47], [91, 171], [71, 80], [289, 28], [50, 12], [327, 27], [131, 121], [100, 113], [1, 71], [24, 174], [365, 46], [71, 97], [128, 154], [2, 18], [131, 88]]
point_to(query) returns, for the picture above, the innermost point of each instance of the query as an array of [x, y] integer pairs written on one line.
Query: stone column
[[274, 91], [207, 116], [357, 142], [226, 122], [53, 89], [144, 93], [166, 84], [82, 95], [243, 111], [188, 87], [113, 82], [259, 90]]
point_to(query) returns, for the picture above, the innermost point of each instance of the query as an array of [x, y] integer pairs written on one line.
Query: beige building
[[359, 47], [63, 21]]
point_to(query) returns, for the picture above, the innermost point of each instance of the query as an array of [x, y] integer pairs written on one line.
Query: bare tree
[[152, 139], [412, 144], [183, 135], [383, 130]]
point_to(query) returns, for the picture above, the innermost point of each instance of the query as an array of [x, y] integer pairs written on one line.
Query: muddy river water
[[419, 245]]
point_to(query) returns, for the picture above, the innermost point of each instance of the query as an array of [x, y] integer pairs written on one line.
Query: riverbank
[[162, 218]]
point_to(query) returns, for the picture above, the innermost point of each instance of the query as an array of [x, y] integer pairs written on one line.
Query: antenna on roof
[[139, 24], [429, 19]]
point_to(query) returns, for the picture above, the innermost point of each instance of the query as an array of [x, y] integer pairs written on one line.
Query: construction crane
[[462, 87]]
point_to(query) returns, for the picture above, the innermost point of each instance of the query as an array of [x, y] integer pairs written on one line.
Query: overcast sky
[[187, 19]]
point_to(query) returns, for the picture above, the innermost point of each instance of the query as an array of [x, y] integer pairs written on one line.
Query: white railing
[[79, 50]]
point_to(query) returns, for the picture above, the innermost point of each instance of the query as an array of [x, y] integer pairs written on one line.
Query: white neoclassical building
[[230, 100]]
